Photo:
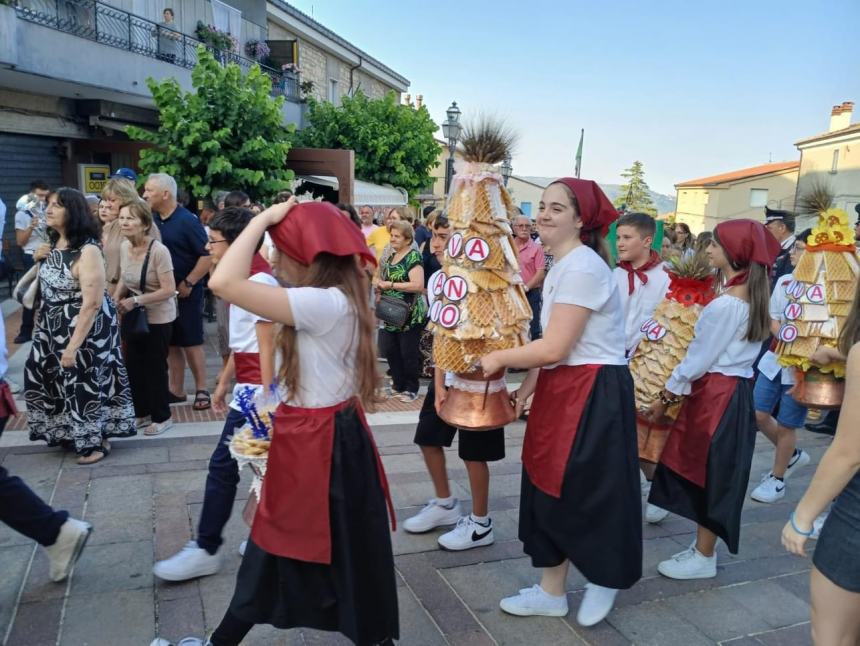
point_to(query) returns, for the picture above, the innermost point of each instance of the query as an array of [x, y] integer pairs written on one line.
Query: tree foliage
[[634, 194], [228, 134], [393, 143]]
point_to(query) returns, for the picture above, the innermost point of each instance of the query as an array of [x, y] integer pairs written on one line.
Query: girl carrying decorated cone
[[704, 469], [580, 499]]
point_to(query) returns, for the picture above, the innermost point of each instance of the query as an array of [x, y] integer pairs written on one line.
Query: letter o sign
[[449, 316], [788, 333]]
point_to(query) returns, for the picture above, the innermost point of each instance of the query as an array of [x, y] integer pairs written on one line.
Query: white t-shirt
[[39, 236], [718, 345], [640, 305], [243, 334], [582, 278], [768, 365], [327, 344]]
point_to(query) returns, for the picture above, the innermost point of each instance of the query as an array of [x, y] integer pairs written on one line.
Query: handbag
[[392, 310], [26, 291], [134, 324]]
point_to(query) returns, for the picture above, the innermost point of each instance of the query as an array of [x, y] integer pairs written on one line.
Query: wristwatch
[[134, 300], [189, 285]]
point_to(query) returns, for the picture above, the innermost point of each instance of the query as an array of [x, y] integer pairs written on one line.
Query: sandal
[[202, 400], [97, 455]]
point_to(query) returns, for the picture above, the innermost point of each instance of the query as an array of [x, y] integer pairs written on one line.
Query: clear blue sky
[[689, 88]]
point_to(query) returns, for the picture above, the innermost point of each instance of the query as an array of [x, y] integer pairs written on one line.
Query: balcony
[[102, 52]]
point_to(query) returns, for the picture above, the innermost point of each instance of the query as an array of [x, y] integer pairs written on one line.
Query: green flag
[[579, 152]]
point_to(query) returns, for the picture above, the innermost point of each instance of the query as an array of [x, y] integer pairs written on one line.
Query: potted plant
[[213, 37], [257, 50]]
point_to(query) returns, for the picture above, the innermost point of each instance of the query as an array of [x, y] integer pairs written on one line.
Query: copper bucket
[[475, 408], [816, 389]]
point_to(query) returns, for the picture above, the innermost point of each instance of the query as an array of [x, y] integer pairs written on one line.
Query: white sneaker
[[655, 514], [467, 534], [190, 562], [534, 601], [770, 489], [432, 516], [596, 604], [817, 524], [67, 548], [689, 564], [799, 459], [242, 546]]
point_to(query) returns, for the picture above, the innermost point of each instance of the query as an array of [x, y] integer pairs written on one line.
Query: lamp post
[[451, 131], [506, 169]]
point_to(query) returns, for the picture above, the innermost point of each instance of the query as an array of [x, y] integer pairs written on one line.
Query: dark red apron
[[559, 401], [686, 450], [292, 519], [247, 368], [7, 401]]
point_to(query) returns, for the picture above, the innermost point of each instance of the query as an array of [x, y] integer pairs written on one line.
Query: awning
[[364, 192]]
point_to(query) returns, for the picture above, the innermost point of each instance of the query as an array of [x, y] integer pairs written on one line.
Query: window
[[758, 197], [834, 166], [526, 208], [333, 94], [227, 18]]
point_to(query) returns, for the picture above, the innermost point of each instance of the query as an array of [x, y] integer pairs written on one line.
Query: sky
[[690, 89]]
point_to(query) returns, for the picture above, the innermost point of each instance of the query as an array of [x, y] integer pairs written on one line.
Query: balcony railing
[[103, 23]]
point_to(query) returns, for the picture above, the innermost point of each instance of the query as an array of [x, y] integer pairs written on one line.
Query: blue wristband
[[797, 529]]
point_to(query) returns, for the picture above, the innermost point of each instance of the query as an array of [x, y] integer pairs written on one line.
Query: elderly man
[[185, 238], [365, 213], [531, 269]]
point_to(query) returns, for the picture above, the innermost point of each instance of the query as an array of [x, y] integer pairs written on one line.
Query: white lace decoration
[[479, 387]]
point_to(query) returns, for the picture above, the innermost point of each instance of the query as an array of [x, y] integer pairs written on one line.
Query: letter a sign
[[477, 249]]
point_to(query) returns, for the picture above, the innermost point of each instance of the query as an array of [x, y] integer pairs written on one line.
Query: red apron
[[247, 367], [7, 401], [686, 451], [292, 519], [560, 398]]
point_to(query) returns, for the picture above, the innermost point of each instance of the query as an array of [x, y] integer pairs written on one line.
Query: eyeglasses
[[211, 241]]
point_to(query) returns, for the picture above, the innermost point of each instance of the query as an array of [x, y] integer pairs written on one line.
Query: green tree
[[634, 193], [228, 134], [393, 143]]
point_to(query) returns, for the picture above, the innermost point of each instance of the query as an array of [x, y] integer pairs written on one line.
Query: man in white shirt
[[31, 232]]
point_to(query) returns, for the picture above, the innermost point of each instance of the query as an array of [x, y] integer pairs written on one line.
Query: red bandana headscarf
[[595, 209], [312, 228], [653, 261], [745, 242]]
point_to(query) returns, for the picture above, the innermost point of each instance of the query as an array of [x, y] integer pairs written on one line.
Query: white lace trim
[[480, 387]]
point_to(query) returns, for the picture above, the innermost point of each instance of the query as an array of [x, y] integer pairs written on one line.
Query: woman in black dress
[[75, 381]]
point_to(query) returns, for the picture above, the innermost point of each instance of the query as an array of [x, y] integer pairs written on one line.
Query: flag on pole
[[579, 152]]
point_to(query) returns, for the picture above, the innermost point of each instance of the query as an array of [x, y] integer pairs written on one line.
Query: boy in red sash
[[251, 362]]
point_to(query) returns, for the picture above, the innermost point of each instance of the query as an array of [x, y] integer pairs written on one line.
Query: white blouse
[[640, 305], [718, 345]]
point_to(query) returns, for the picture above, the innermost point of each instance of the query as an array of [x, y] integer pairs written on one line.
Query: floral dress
[[399, 273], [81, 406]]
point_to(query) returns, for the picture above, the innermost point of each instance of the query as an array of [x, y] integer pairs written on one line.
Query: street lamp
[[506, 169], [451, 131]]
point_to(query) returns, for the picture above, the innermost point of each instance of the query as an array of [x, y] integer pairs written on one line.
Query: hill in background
[[663, 203]]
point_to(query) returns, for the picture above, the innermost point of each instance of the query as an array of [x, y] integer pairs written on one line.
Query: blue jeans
[[535, 298], [221, 483], [770, 392]]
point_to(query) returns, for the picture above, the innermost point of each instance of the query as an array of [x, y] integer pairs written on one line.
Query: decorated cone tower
[[480, 302], [665, 339], [819, 301]]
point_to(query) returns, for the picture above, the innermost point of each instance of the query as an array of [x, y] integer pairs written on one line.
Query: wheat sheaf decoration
[[488, 140]]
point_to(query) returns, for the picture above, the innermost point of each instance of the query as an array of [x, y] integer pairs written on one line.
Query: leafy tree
[[228, 134], [393, 143], [634, 193]]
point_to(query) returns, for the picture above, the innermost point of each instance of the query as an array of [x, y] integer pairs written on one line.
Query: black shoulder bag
[[134, 324]]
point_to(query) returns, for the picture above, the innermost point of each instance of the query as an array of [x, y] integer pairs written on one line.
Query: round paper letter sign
[[449, 316], [455, 245], [455, 288], [434, 311], [477, 249], [815, 293], [438, 283], [656, 332], [793, 311], [788, 333]]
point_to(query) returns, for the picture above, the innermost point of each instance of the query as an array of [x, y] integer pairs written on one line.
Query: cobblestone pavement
[[145, 498]]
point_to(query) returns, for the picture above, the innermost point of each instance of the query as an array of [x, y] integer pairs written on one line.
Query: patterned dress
[[81, 406]]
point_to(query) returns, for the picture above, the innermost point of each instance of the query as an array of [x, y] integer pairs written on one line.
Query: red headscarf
[[745, 242], [595, 209], [312, 228]]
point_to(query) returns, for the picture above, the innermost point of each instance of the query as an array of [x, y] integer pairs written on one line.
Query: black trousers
[[146, 361], [535, 299], [26, 513], [401, 351]]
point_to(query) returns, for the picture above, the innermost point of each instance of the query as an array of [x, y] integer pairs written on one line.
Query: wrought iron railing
[[103, 23]]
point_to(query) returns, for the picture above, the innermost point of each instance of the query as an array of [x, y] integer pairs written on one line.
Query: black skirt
[[356, 594], [718, 505], [597, 522]]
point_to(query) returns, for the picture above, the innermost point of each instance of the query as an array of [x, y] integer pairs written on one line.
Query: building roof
[[313, 24], [854, 128], [744, 173]]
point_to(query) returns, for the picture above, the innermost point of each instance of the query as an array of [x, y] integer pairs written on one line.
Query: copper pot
[[478, 409], [816, 389]]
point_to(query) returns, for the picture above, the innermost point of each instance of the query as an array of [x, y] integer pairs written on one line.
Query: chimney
[[419, 101], [840, 116]]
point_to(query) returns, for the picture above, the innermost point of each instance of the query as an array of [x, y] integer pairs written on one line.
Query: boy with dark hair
[[252, 345], [642, 284], [476, 448], [237, 198]]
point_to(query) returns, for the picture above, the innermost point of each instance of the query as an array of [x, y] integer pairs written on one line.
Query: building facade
[[705, 202]]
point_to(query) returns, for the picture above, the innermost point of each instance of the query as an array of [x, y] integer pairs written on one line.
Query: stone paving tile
[[13, 565], [725, 618], [36, 623], [113, 568], [656, 624], [799, 635], [773, 603], [108, 619]]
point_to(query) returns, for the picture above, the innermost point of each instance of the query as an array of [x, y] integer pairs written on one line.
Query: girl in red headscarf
[[319, 555], [704, 470], [580, 498]]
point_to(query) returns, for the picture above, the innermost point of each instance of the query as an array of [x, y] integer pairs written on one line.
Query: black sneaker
[[175, 399]]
